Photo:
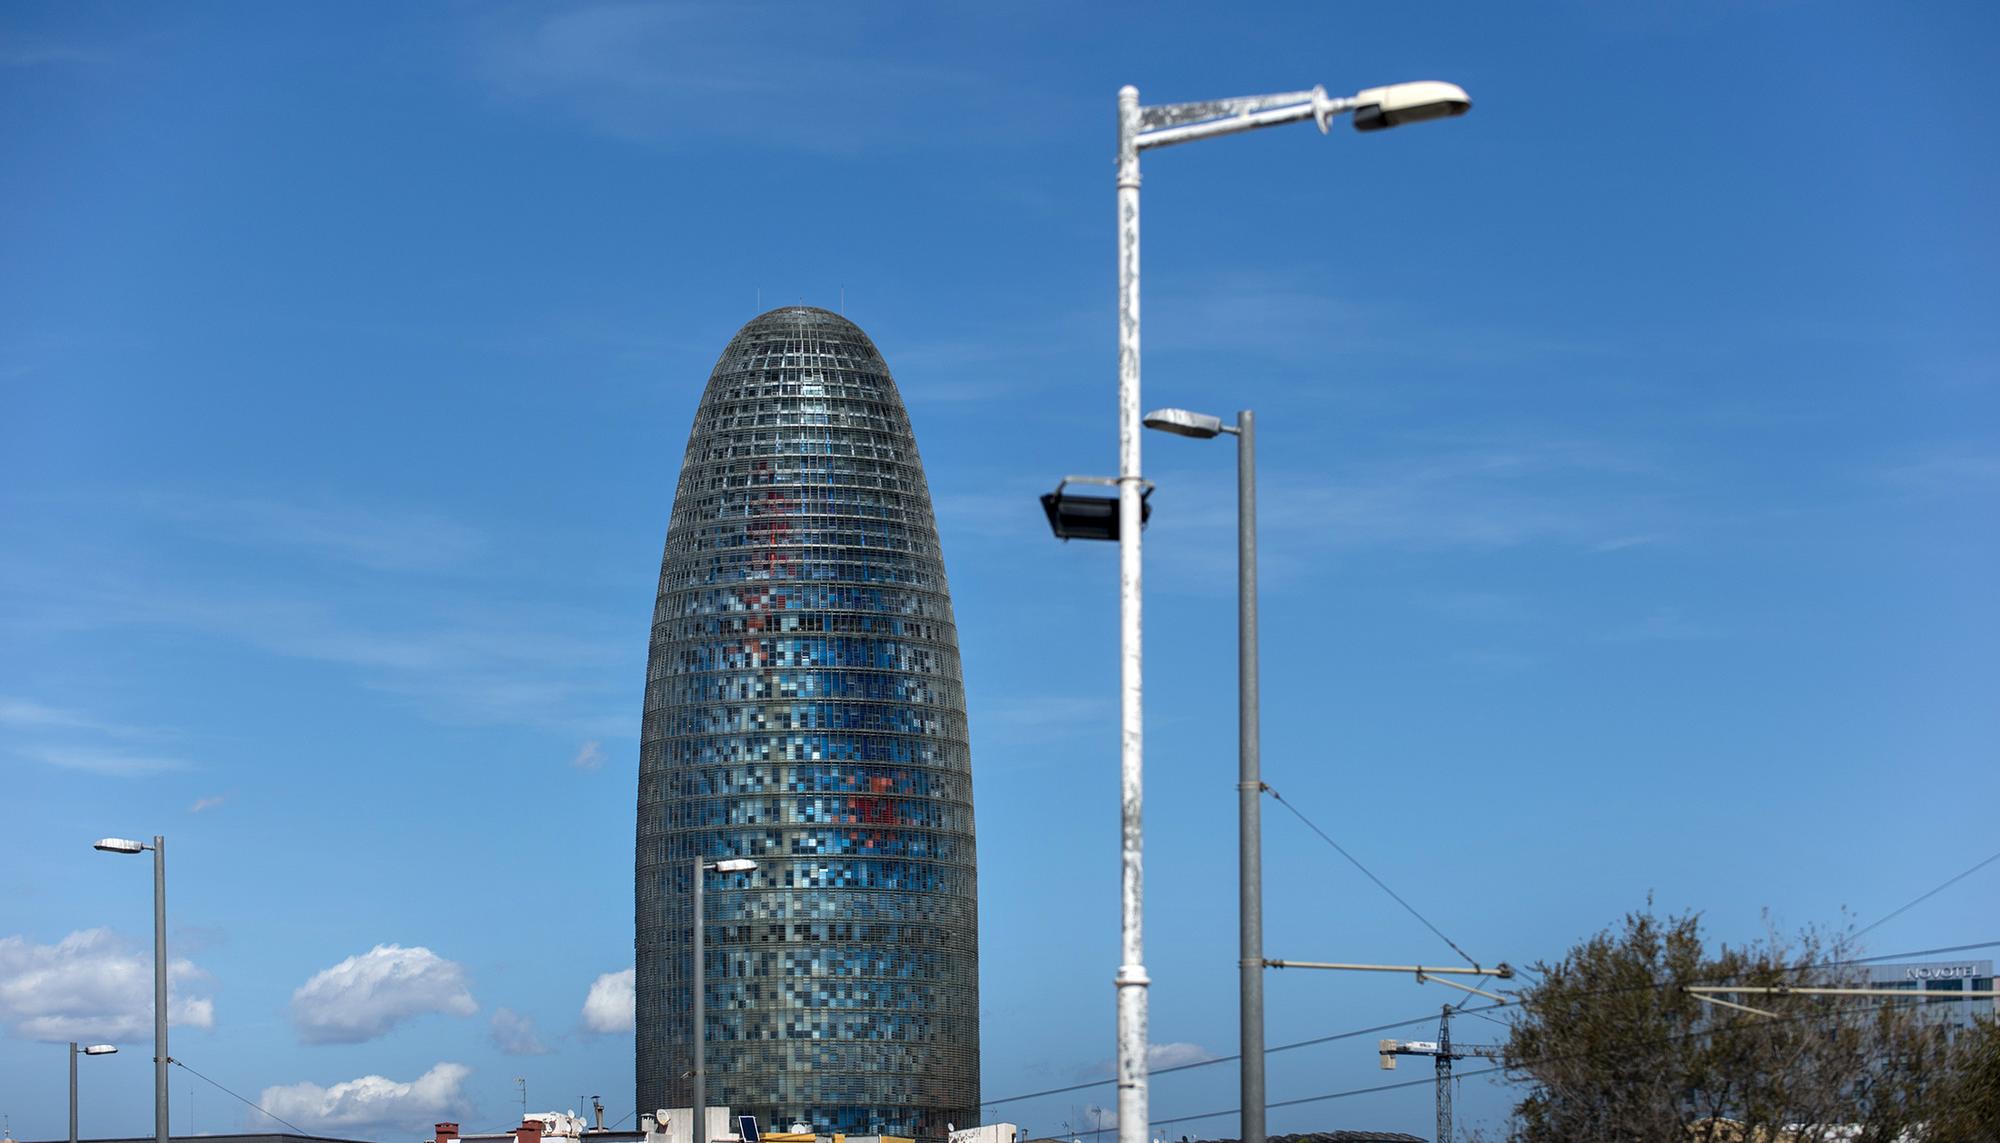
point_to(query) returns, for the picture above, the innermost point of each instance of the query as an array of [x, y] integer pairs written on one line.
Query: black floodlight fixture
[[1379, 108], [1079, 516]]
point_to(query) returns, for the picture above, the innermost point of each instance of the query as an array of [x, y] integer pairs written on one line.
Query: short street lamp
[[74, 1052], [702, 868], [1141, 128], [160, 1057], [1249, 783]]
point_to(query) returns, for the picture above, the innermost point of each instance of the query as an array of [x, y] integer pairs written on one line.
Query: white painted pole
[[1131, 979]]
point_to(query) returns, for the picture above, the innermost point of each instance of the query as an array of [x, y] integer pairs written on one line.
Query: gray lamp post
[[702, 868], [1249, 783], [74, 1052], [160, 1057], [1141, 128]]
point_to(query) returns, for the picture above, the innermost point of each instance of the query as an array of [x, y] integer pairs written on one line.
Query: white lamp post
[[160, 1057], [702, 868], [1142, 128], [74, 1052]]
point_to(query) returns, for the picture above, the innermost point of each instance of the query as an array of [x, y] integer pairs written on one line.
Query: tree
[[1613, 1049]]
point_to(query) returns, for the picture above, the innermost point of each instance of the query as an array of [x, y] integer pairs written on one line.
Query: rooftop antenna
[[843, 301], [523, 1081], [760, 299]]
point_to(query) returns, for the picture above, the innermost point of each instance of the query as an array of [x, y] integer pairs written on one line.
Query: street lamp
[[1141, 128], [1249, 784], [74, 1052], [702, 868], [160, 1057]]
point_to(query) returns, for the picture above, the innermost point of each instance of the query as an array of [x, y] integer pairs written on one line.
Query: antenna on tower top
[[843, 301]]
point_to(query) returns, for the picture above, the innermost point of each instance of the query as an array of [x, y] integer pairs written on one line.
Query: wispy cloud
[[1295, 315], [515, 1034], [73, 740], [589, 756], [665, 72], [458, 661], [1664, 625], [1620, 543], [1946, 473], [1022, 719], [111, 763], [1440, 495], [26, 714], [22, 52], [388, 539], [204, 804]]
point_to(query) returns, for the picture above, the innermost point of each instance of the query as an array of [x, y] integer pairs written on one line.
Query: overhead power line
[[1383, 885], [1927, 896], [182, 1064], [1424, 1019], [1807, 1017]]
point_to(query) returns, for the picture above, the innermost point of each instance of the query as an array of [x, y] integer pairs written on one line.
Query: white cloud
[[207, 803], [1174, 1055], [515, 1034], [371, 1102], [365, 996], [608, 1008], [92, 985], [590, 756]]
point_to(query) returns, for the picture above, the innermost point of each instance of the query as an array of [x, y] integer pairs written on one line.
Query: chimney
[[446, 1132], [530, 1131]]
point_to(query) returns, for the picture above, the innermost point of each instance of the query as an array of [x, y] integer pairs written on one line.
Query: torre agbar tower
[[804, 710]]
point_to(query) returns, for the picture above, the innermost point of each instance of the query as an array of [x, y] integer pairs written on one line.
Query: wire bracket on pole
[[1425, 978], [1732, 1004]]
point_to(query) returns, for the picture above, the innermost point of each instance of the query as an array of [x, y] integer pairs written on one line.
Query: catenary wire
[[1911, 1002], [182, 1064], [1411, 909], [1484, 1008], [1210, 1062], [1932, 893]]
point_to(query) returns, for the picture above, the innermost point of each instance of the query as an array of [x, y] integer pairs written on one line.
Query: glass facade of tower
[[804, 709]]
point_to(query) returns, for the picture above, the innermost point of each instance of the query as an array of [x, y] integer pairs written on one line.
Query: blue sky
[[1629, 474]]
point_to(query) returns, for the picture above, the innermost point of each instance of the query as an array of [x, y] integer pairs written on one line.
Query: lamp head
[[734, 865], [119, 845], [1379, 108], [1183, 423], [100, 1050]]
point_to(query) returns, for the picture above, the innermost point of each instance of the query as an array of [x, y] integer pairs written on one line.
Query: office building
[[804, 710]]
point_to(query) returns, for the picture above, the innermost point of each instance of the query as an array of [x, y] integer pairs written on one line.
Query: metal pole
[[72, 1091], [700, 1125], [160, 1056], [1131, 979], [1249, 786]]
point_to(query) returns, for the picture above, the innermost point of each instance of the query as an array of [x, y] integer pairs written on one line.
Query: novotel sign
[[1942, 972]]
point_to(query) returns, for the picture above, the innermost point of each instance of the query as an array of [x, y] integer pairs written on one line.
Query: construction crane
[[1443, 1052]]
